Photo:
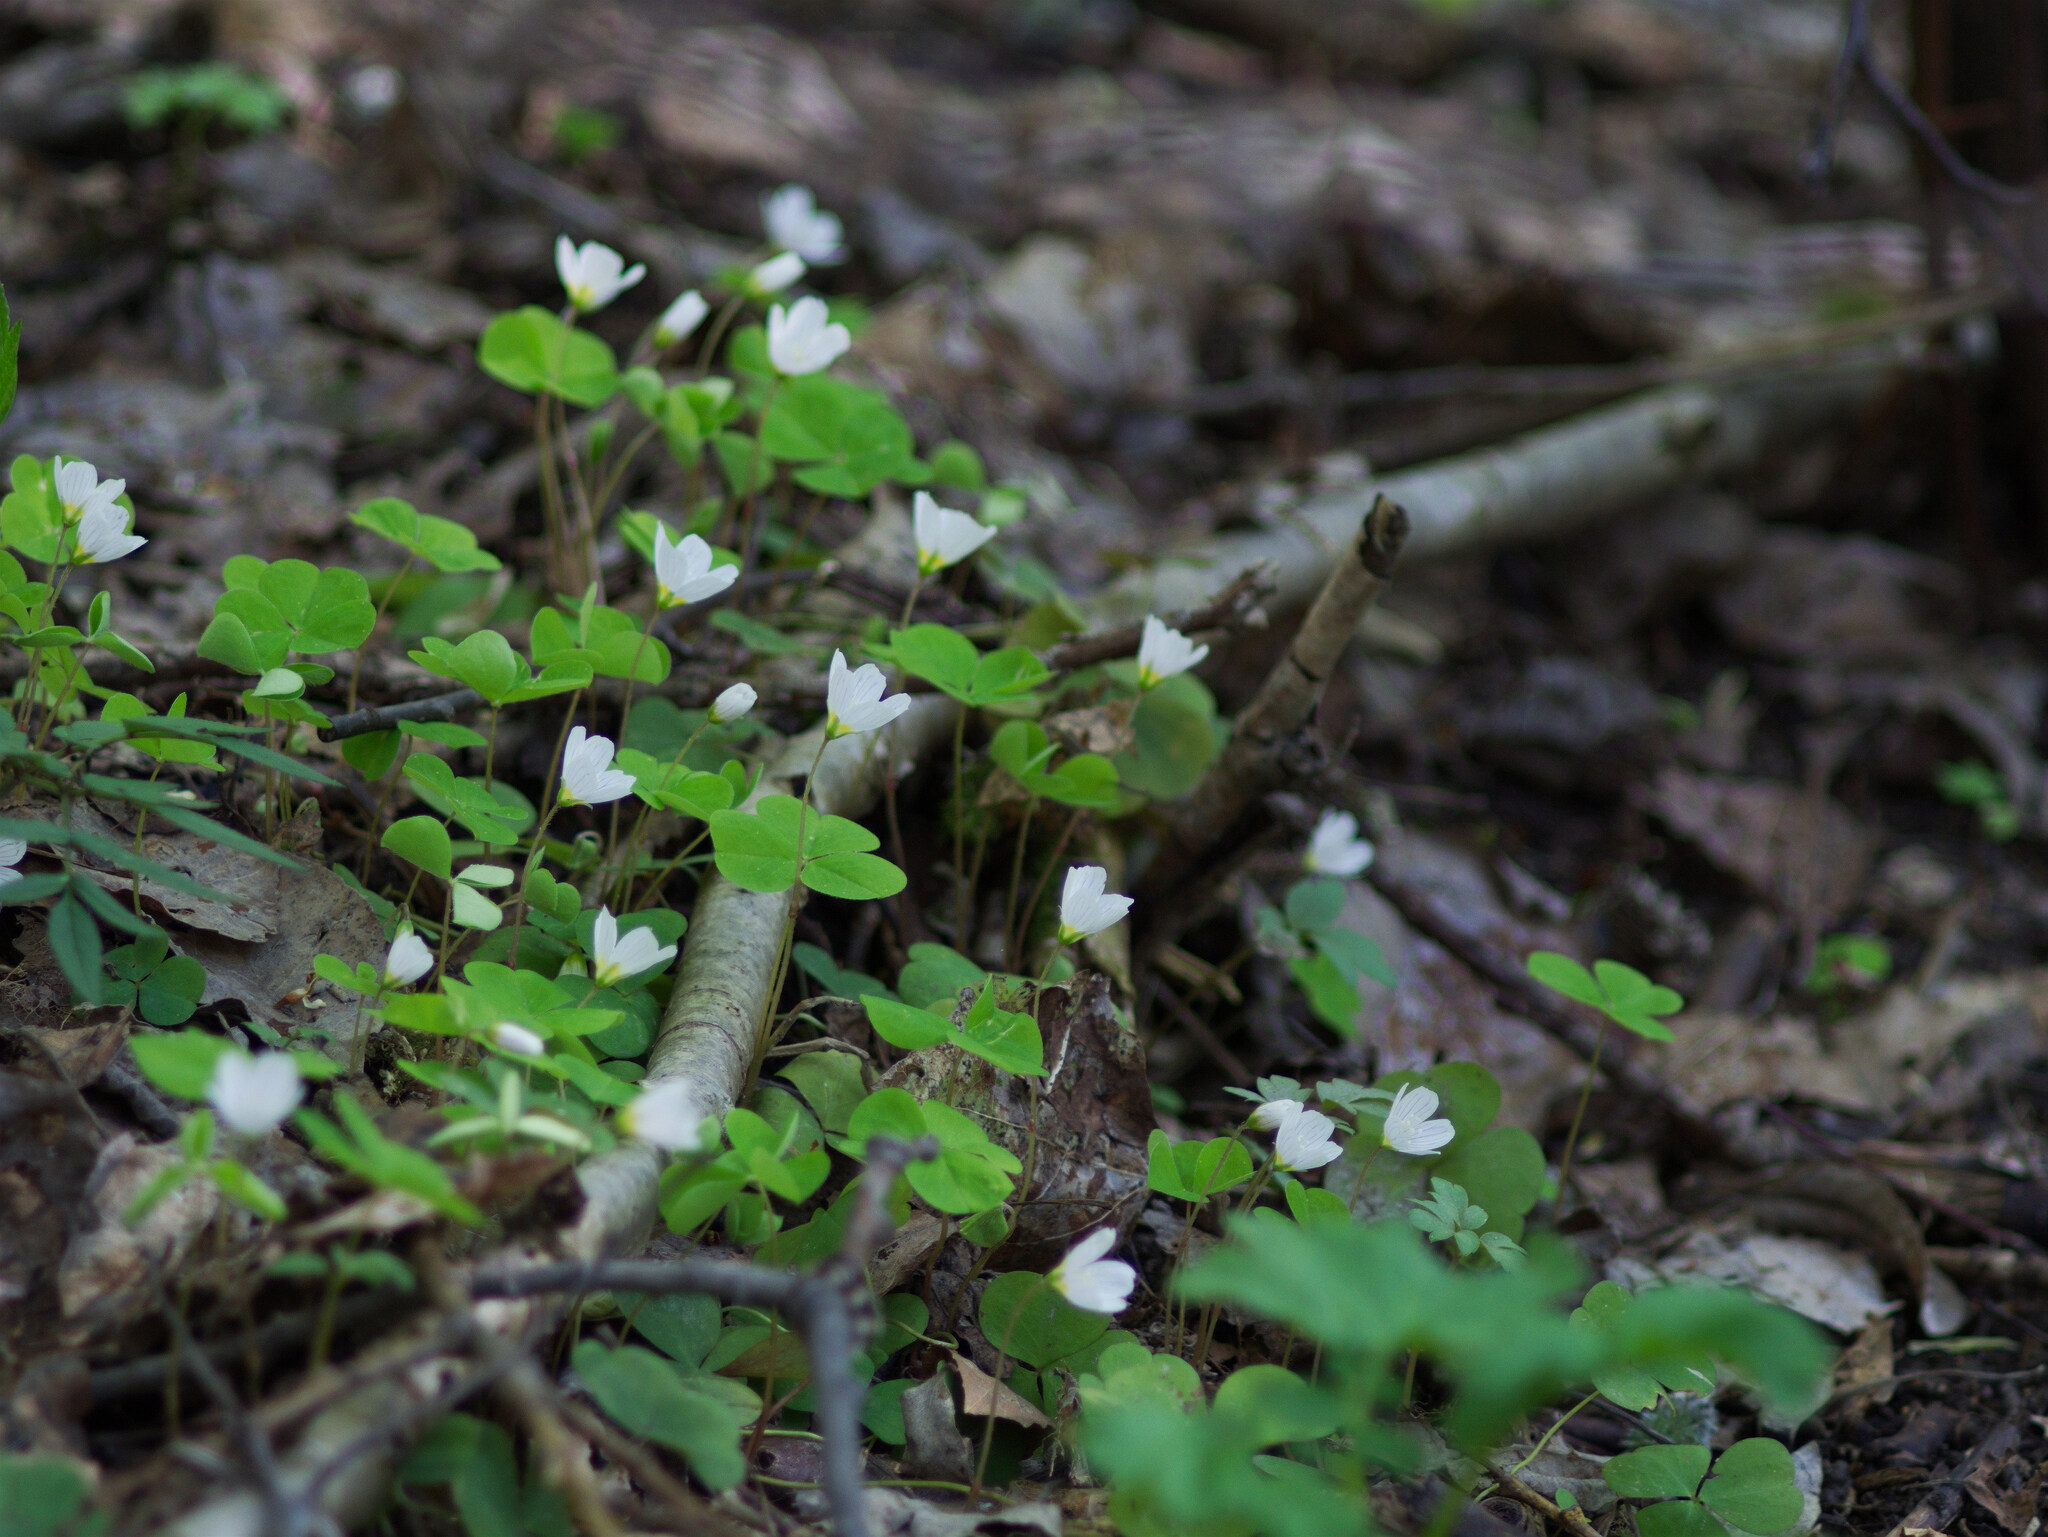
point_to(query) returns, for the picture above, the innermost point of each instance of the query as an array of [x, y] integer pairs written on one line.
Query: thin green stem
[[963, 894], [355, 676], [910, 603], [1564, 1164], [1038, 891], [1011, 956], [1537, 1450], [554, 803]]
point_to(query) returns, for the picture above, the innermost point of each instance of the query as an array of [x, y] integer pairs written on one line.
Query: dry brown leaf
[[897, 1259], [1803, 852], [1102, 728], [319, 914], [103, 1278], [745, 97], [981, 1395], [933, 1444], [1867, 1362], [79, 1055]]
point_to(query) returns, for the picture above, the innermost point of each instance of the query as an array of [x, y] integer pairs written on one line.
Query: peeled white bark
[[1542, 484]]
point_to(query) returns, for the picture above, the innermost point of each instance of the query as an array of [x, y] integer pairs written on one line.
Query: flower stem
[[1564, 1164], [1010, 956], [988, 1427]]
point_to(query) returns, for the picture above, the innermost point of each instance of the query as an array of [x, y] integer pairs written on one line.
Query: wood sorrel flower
[[517, 1039], [103, 534], [588, 778], [1091, 1282], [409, 960], [1305, 1140], [1164, 651], [614, 958], [252, 1094], [733, 703], [1335, 848], [80, 490], [774, 275], [943, 535], [12, 852], [804, 338], [853, 698], [593, 275], [795, 222], [684, 314], [1409, 1128], [1084, 907], [683, 572], [665, 1115]]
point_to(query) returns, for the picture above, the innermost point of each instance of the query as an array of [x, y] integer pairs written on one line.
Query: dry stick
[[1247, 766], [1572, 1520], [1231, 608], [384, 717]]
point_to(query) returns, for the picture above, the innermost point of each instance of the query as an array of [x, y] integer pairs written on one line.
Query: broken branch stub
[[1248, 765]]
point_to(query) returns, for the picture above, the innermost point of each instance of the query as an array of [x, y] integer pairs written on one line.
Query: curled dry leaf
[[104, 1277], [981, 1395]]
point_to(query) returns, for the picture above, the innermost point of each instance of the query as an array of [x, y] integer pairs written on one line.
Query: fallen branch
[[1249, 763], [1233, 606], [1539, 485], [435, 707]]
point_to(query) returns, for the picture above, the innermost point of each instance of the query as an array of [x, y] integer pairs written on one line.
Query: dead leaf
[[1102, 728], [319, 913], [906, 1249], [981, 1395], [1868, 1362], [933, 1444], [1816, 1280], [103, 1278], [2017, 1510], [1803, 852], [389, 301], [1848, 598], [79, 1055], [745, 97]]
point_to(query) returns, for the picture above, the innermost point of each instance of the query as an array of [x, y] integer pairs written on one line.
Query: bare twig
[[1229, 609], [1249, 763], [1573, 1520], [828, 1307], [435, 707]]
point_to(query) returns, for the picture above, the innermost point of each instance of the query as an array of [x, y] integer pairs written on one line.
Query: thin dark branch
[[828, 1308], [385, 717], [1855, 31], [1229, 609]]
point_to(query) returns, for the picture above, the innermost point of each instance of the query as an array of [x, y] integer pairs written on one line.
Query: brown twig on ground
[[1249, 763], [1938, 1509], [435, 707], [558, 1451], [1573, 1521], [1230, 609], [2002, 1267], [826, 1307]]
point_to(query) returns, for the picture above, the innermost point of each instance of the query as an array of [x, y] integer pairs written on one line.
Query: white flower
[[1276, 1113], [588, 778], [733, 703], [103, 533], [518, 1040], [795, 222], [12, 852], [853, 698], [409, 960], [1305, 1140], [1089, 1281], [1084, 909], [80, 490], [614, 959], [804, 339], [252, 1094], [1163, 652], [943, 535], [1409, 1128], [593, 274], [684, 573], [680, 318], [665, 1115], [774, 275], [1335, 848]]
